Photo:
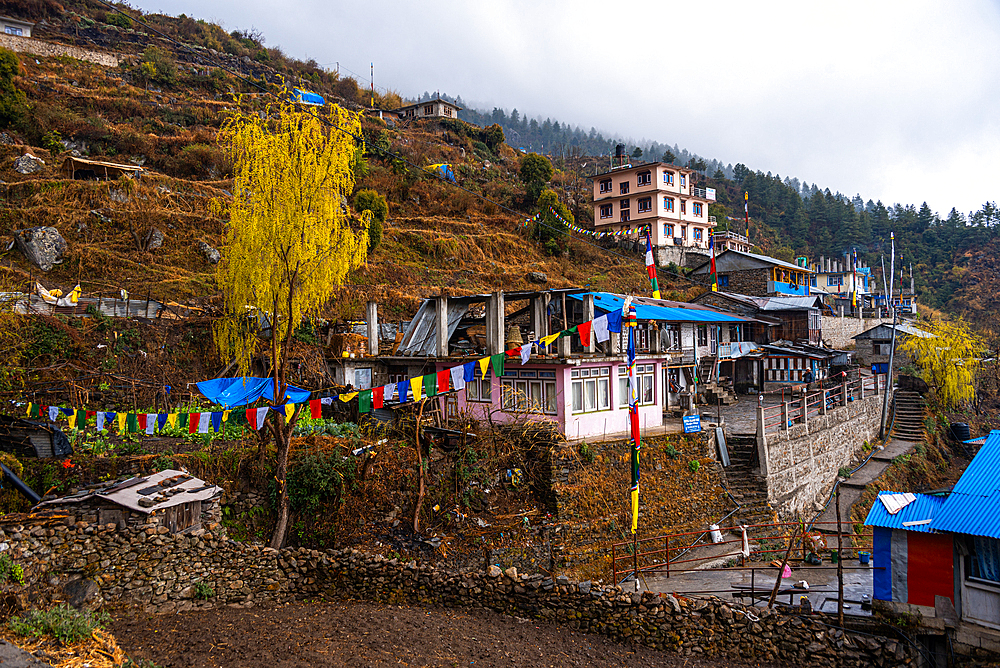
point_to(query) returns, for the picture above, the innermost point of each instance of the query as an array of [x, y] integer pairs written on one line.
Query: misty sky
[[898, 101]]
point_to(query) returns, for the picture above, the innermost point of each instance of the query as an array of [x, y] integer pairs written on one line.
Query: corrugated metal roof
[[648, 309], [974, 504], [164, 488], [785, 303], [885, 331], [923, 507]]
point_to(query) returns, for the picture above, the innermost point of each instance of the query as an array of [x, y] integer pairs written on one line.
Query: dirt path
[[364, 634]]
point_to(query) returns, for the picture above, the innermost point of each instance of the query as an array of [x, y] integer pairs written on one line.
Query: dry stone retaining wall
[[837, 332], [159, 572], [39, 48], [802, 461]]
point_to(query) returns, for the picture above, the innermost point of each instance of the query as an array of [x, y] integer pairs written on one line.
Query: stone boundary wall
[[800, 463], [837, 331], [158, 572], [39, 48]]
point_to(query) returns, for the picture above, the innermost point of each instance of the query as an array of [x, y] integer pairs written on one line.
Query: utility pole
[[888, 377], [840, 565]]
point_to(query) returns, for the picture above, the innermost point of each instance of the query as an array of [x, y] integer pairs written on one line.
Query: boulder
[[537, 277], [28, 164], [211, 254], [43, 246], [154, 239], [83, 593]]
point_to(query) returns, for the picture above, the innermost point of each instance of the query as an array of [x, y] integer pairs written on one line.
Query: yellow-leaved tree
[[289, 242], [949, 359]]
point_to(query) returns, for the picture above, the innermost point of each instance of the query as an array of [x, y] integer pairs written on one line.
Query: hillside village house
[[939, 554], [663, 197], [873, 346], [729, 240], [578, 386], [16, 27], [757, 275], [436, 108], [839, 278]]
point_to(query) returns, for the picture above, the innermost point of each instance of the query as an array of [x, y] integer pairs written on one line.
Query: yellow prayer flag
[[416, 385], [484, 364], [289, 411], [547, 340], [225, 415], [347, 397], [121, 422], [30, 406], [172, 420], [72, 419]]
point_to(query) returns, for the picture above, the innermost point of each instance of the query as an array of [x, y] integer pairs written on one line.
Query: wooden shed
[[83, 169]]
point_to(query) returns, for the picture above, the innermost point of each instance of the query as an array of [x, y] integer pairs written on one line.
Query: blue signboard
[[692, 424], [880, 367]]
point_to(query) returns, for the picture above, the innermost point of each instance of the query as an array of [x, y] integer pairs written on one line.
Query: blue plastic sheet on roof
[[924, 508], [609, 302], [243, 391], [973, 507], [305, 97], [443, 170]]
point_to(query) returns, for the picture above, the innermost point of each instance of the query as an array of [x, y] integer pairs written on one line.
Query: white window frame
[[648, 201], [668, 178], [590, 389], [606, 185], [645, 377], [643, 179], [607, 211]]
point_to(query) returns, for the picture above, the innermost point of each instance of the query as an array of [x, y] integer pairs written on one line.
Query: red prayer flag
[[193, 420], [315, 409], [444, 378], [141, 419], [90, 414], [583, 329], [251, 414], [378, 396]]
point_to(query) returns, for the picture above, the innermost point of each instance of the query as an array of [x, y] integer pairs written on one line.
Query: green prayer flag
[[365, 401], [35, 410], [430, 384], [131, 423], [497, 361], [182, 421]]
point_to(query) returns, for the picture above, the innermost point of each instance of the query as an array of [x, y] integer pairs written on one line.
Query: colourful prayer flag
[[193, 420], [443, 380], [584, 329], [633, 410], [415, 384], [483, 365], [378, 396], [289, 411], [365, 401], [430, 384], [712, 275], [132, 423], [497, 361], [401, 388], [315, 409], [651, 264]]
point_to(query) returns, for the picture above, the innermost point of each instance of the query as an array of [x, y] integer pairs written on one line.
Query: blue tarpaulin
[[305, 97], [443, 170], [230, 392]]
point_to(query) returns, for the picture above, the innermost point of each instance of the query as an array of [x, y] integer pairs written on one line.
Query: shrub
[[13, 103], [119, 20], [694, 465], [535, 171], [671, 452], [65, 624], [493, 137], [9, 570], [318, 478], [52, 141], [203, 592], [844, 472], [587, 452], [158, 67]]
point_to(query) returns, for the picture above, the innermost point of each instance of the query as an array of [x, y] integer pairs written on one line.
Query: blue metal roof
[[974, 504], [924, 508], [607, 301], [306, 97]]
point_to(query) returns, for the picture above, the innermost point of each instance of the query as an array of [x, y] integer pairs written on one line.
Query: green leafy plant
[[694, 465], [9, 570], [65, 624], [119, 20], [586, 452], [52, 141], [844, 472], [671, 452], [203, 592]]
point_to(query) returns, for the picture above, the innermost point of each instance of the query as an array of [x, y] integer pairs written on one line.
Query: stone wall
[[681, 256], [39, 48], [747, 282], [837, 332], [159, 572], [800, 463]]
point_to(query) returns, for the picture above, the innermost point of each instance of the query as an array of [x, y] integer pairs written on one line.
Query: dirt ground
[[365, 634]]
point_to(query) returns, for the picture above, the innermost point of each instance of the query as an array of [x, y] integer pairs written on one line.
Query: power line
[[361, 139]]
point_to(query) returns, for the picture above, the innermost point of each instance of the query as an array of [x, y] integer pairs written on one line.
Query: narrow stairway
[[747, 487], [909, 416], [714, 389]]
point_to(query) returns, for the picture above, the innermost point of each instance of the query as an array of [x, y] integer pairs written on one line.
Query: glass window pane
[[577, 396], [603, 394], [522, 395], [591, 395], [486, 393], [623, 391], [647, 389], [507, 394], [550, 398], [472, 391], [536, 396]]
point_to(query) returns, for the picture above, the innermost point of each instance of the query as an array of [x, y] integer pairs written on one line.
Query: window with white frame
[[668, 178], [668, 203], [644, 204], [531, 391], [697, 208], [835, 280], [683, 206], [590, 389], [702, 335], [625, 217], [607, 211], [683, 180], [605, 185], [480, 389], [696, 232], [668, 231], [643, 179], [11, 30], [623, 188], [645, 384]]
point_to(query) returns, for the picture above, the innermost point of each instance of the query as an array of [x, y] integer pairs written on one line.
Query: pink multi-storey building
[[661, 196]]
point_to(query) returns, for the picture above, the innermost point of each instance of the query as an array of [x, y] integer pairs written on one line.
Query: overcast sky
[[898, 101]]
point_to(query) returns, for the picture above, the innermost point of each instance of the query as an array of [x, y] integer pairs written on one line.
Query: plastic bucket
[[865, 557], [834, 557], [713, 531]]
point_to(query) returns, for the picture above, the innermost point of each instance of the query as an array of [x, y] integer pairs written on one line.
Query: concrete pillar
[[371, 319], [784, 415], [539, 315], [496, 315], [843, 392], [822, 262], [822, 404], [441, 325], [588, 315], [761, 437], [805, 407]]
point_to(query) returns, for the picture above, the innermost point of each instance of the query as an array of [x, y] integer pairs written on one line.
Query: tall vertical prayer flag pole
[[633, 409], [651, 265], [746, 210], [712, 275]]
